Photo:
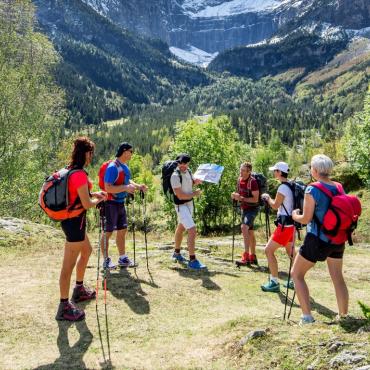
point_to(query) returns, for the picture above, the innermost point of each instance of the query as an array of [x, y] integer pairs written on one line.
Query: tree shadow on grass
[[322, 310], [123, 285], [71, 357], [203, 275]]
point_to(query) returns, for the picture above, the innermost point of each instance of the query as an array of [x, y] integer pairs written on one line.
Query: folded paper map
[[209, 173]]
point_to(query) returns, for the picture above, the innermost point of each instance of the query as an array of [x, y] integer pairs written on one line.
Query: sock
[[192, 257], [63, 300], [274, 279], [79, 282], [122, 256], [177, 251]]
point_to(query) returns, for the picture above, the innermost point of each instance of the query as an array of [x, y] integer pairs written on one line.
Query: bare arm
[[275, 204], [183, 196], [308, 210], [86, 200], [114, 189]]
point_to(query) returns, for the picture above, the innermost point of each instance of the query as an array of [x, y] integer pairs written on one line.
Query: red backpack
[[53, 197], [120, 180], [340, 220]]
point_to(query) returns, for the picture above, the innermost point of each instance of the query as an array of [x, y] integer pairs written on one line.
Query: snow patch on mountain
[[197, 8], [102, 6], [194, 55]]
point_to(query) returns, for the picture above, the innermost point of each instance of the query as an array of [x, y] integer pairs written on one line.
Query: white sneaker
[[108, 264]]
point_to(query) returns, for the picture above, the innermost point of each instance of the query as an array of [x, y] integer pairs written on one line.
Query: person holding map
[[182, 183]]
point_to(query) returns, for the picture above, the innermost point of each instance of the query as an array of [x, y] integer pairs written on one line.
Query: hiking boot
[[271, 286], [253, 259], [82, 293], [245, 259], [125, 262], [178, 257], [68, 311], [290, 285], [196, 265], [306, 320], [108, 264]]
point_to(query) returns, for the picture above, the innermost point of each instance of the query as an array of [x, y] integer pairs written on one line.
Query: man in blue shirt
[[118, 183]]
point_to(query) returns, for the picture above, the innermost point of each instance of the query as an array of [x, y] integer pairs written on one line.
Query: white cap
[[281, 166]]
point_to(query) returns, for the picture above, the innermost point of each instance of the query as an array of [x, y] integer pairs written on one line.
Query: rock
[[366, 367], [348, 358], [364, 329], [335, 346], [258, 333]]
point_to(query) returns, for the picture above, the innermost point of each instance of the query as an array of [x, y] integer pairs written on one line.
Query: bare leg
[[335, 266], [105, 243], [299, 270], [252, 242], [192, 233], [84, 259], [179, 233], [71, 252], [121, 241], [245, 234], [270, 249]]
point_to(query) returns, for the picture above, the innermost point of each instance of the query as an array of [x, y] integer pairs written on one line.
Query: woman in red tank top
[[77, 247]]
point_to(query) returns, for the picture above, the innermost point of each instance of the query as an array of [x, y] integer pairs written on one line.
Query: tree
[[29, 108], [357, 141], [213, 141]]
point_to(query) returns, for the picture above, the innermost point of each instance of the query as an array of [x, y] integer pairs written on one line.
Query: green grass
[[171, 318]]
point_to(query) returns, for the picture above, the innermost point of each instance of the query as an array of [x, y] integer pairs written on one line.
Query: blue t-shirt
[[111, 175], [321, 206]]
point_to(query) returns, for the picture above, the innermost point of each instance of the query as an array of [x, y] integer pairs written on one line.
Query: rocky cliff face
[[217, 25]]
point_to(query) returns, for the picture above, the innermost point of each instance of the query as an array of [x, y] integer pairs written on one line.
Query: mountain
[[318, 31], [197, 30], [106, 69]]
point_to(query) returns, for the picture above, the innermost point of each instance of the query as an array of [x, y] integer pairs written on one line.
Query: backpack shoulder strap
[[322, 188]]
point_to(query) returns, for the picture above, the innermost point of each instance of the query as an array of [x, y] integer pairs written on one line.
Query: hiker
[[248, 195], [77, 242], [283, 236], [182, 184], [118, 183], [316, 245]]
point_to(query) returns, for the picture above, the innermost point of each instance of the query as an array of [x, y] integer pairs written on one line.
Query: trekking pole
[[267, 221], [142, 195], [133, 225], [288, 282], [98, 280], [105, 246], [234, 220]]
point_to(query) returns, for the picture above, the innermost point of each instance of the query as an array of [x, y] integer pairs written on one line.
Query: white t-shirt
[[288, 200], [186, 184]]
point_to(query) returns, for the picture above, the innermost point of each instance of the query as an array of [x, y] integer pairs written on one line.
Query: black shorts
[[314, 249], [115, 216], [75, 228], [248, 216]]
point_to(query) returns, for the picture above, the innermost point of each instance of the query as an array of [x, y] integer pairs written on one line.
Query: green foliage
[[357, 141], [213, 141], [29, 108], [365, 310]]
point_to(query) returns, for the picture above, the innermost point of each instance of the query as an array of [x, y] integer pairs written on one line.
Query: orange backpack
[[53, 197]]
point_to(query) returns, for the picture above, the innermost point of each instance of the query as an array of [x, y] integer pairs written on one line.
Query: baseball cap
[[122, 148], [281, 166]]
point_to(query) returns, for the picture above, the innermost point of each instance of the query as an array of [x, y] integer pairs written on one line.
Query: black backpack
[[298, 188], [262, 185], [168, 168]]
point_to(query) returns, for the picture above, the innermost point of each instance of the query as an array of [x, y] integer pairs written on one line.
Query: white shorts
[[185, 214]]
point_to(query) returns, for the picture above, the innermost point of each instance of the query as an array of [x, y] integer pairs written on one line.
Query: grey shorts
[[248, 216]]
